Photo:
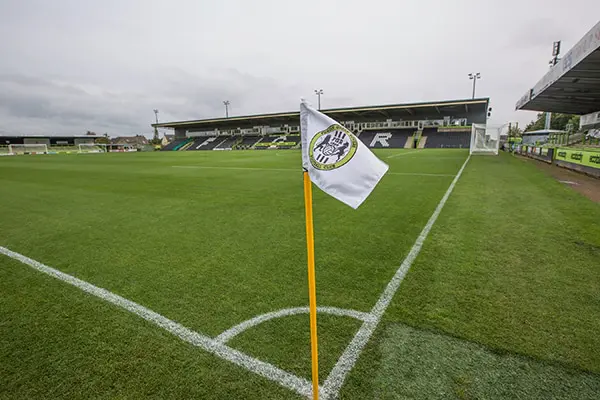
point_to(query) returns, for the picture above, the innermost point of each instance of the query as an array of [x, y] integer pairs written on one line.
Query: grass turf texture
[[511, 264]]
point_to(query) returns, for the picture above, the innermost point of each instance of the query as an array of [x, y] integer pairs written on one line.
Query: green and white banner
[[581, 157]]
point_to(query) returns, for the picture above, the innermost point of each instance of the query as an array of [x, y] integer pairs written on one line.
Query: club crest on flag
[[331, 148]]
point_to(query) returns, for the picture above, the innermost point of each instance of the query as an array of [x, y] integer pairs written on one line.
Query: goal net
[[27, 149], [92, 148], [485, 139], [5, 151]]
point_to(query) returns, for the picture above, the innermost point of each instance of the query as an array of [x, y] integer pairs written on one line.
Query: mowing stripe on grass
[[295, 170], [346, 362], [236, 330], [269, 371], [419, 174], [237, 168], [216, 346], [420, 157]]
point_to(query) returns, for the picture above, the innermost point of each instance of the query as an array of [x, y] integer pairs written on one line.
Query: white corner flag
[[336, 160]]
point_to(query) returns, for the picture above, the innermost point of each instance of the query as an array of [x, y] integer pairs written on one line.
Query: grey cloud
[[56, 107], [184, 95], [72, 66], [62, 108], [29, 107], [538, 32]]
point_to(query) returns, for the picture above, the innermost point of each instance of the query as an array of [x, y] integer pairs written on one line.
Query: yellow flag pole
[[312, 286]]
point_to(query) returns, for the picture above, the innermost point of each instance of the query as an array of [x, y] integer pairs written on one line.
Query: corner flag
[[343, 167], [336, 161]]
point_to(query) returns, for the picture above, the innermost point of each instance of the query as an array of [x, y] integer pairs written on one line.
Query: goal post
[[5, 151], [485, 139], [28, 149], [92, 148]]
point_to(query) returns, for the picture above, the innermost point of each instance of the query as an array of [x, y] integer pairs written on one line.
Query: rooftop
[[407, 110], [48, 136], [543, 132], [571, 86]]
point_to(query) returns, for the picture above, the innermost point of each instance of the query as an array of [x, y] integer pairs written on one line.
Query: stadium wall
[[585, 161], [180, 133]]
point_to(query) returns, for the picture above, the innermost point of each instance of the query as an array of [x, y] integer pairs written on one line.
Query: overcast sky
[[67, 66]]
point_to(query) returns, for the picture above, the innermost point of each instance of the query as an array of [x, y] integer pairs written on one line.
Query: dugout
[[539, 137]]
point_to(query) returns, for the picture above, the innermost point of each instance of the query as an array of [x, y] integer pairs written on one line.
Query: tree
[[103, 139], [537, 124], [515, 131], [155, 138], [574, 121], [558, 121]]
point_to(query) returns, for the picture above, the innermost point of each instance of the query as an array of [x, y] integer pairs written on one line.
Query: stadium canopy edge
[[571, 86], [392, 110]]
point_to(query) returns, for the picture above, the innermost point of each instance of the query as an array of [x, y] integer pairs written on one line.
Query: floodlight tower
[[156, 127], [474, 76], [552, 63], [226, 102], [319, 92]]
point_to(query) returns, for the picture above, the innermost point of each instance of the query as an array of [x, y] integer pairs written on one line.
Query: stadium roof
[[571, 86], [3, 134], [457, 108], [543, 132]]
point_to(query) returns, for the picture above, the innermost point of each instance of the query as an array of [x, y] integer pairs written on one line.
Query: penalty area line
[[264, 369], [345, 363]]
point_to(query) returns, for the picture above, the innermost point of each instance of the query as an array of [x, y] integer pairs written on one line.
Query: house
[[167, 139], [137, 141]]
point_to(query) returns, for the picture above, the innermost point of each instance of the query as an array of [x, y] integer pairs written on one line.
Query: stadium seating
[[388, 138], [228, 143], [451, 139], [278, 142], [174, 145], [206, 143], [247, 142], [374, 138]]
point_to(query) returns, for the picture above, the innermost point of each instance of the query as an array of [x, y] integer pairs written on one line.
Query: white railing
[[214, 132], [250, 131], [352, 125]]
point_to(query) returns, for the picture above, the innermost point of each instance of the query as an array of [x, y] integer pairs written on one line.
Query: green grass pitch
[[501, 303]]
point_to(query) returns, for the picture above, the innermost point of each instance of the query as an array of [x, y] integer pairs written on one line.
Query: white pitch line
[[217, 347], [236, 330], [269, 371], [294, 170], [334, 381], [402, 154]]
